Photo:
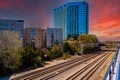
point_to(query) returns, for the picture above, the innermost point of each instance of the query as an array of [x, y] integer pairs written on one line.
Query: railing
[[113, 70]]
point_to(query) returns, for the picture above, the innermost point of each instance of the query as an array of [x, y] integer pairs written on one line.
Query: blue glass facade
[[32, 35], [5, 26], [72, 18]]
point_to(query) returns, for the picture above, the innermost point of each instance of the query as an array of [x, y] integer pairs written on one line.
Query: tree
[[55, 52], [66, 47], [75, 47], [10, 46], [9, 41], [31, 57], [71, 39], [87, 38], [89, 42]]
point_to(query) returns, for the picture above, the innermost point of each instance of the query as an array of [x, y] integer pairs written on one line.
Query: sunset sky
[[104, 14]]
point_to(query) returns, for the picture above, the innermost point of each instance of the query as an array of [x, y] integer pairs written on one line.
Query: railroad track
[[42, 72], [92, 71], [46, 69], [64, 68]]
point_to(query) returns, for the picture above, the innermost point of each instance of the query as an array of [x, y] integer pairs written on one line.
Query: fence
[[113, 70]]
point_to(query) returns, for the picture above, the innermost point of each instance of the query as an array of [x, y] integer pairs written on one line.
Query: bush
[[31, 57], [66, 55], [55, 52], [66, 47]]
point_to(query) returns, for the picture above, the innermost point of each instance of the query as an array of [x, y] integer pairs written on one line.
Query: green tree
[[55, 52], [71, 39], [87, 38], [75, 47], [31, 57], [66, 47], [10, 48]]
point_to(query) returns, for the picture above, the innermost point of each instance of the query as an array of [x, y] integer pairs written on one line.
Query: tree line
[[14, 57]]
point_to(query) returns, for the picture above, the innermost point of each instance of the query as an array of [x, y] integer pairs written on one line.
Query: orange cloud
[[105, 19], [104, 14]]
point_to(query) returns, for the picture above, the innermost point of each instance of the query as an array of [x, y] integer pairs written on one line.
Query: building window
[[32, 33]]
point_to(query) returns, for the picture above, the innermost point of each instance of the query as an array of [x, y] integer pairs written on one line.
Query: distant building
[[35, 37], [12, 25], [73, 18], [53, 35], [111, 43]]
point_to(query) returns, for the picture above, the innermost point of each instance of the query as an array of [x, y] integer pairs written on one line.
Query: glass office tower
[[72, 18]]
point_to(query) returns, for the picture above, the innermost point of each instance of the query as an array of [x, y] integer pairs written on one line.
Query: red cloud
[[105, 19], [104, 14], [4, 5]]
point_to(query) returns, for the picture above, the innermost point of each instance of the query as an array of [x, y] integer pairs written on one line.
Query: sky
[[104, 15]]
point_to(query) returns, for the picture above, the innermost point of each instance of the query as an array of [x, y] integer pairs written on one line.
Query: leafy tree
[[87, 38], [57, 42], [71, 39], [10, 47], [55, 52], [9, 41], [87, 41], [75, 47], [31, 57], [66, 47]]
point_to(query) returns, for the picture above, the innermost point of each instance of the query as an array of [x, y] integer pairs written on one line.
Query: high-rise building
[[72, 18], [35, 37], [53, 35], [12, 25]]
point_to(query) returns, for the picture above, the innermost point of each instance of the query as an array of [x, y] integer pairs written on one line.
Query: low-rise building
[[12, 25], [53, 35], [35, 37]]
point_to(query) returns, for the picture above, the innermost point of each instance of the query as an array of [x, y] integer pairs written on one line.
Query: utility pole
[[81, 46]]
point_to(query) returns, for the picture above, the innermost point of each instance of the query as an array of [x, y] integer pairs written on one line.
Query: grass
[[104, 70]]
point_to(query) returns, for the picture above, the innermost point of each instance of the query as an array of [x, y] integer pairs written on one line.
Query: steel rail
[[78, 73]]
